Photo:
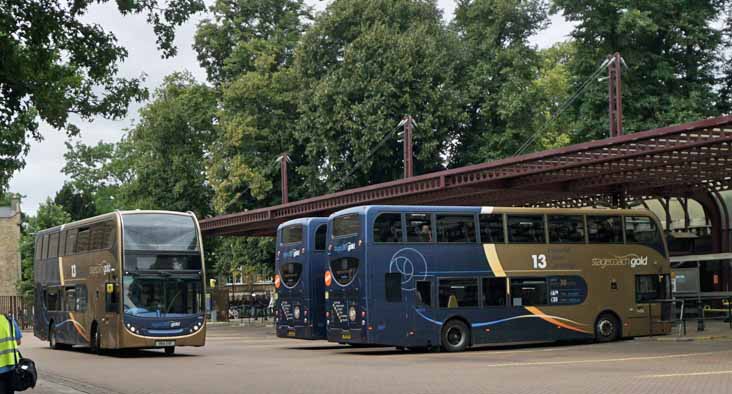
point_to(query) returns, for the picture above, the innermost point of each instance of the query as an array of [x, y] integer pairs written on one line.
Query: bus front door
[[110, 322]]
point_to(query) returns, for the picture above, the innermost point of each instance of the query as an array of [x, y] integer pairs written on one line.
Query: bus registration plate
[[346, 335], [291, 333], [164, 343]]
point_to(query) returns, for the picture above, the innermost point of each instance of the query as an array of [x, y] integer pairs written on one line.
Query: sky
[[42, 177]]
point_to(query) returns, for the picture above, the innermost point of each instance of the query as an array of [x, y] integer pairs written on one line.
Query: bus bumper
[[298, 332], [133, 341], [351, 336]]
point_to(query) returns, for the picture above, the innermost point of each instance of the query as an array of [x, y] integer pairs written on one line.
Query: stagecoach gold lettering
[[629, 260], [99, 270]]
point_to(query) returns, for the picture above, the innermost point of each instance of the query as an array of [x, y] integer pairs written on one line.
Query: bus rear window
[[290, 273], [346, 225], [292, 234], [344, 270]]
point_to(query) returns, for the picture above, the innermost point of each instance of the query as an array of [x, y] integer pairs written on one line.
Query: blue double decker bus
[[299, 265], [454, 277]]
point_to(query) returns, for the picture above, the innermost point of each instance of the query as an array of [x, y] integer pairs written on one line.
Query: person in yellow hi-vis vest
[[8, 344]]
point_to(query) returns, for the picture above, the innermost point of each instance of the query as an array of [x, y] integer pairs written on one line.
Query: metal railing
[[702, 309]]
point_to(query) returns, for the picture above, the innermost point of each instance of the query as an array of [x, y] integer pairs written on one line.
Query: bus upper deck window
[[388, 228], [320, 237], [491, 229], [292, 234], [455, 228], [604, 229], [528, 229], [419, 227], [566, 229], [643, 230], [346, 225]]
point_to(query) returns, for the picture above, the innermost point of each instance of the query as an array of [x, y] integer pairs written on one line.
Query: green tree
[[247, 50], [364, 65], [671, 49], [77, 204], [55, 64], [499, 75], [48, 215], [96, 175], [551, 91], [165, 153]]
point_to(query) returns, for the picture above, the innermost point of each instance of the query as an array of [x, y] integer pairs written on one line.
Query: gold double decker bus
[[122, 280], [455, 277]]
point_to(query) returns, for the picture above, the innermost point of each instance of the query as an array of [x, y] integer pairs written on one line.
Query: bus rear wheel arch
[[455, 335], [607, 327]]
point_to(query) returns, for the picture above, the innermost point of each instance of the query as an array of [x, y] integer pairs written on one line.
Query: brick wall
[[9, 249]]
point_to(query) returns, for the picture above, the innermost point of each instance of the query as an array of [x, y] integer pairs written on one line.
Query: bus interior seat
[[452, 302]]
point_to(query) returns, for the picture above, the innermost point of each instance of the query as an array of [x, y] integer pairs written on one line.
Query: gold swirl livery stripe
[[556, 320]]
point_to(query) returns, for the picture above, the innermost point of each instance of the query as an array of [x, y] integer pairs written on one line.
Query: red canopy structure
[[678, 160]]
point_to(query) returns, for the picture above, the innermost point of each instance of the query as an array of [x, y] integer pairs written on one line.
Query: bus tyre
[[607, 328], [52, 340], [170, 350], [455, 336]]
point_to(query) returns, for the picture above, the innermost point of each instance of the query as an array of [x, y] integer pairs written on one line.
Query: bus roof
[[364, 209], [303, 221], [106, 216]]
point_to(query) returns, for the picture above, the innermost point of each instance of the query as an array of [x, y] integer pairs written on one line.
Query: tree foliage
[[671, 49], [499, 74], [365, 65], [247, 50], [54, 64]]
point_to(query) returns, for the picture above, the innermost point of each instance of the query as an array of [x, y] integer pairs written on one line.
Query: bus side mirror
[[110, 288]]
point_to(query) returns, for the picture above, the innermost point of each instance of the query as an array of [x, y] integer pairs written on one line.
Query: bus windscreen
[[346, 225], [164, 232]]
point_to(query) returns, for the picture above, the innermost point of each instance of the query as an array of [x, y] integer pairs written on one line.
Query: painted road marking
[[597, 361], [675, 375]]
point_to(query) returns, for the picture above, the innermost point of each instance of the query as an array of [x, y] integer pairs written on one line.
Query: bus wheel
[[170, 350], [96, 341], [52, 343], [455, 336], [607, 328]]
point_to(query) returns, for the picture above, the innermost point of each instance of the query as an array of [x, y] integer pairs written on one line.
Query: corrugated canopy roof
[[670, 161]]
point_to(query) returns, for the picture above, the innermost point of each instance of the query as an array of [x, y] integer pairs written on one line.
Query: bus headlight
[[296, 312], [352, 313]]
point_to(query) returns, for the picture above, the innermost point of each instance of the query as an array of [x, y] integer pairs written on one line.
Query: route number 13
[[539, 261]]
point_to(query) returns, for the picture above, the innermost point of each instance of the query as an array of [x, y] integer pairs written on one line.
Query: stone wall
[[9, 249]]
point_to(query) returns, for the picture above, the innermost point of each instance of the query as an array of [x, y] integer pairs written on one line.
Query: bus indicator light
[[363, 314], [277, 281], [328, 278]]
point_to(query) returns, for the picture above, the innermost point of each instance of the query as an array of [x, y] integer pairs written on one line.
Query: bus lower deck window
[[458, 293], [528, 292], [494, 292], [424, 293]]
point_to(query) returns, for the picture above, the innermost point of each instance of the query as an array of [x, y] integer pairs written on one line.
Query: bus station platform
[[713, 330]]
